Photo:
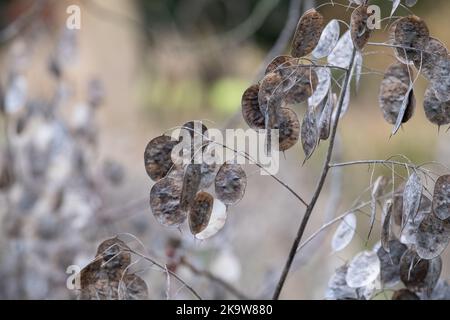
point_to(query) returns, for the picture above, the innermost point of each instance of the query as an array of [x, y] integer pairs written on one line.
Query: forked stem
[[322, 179]]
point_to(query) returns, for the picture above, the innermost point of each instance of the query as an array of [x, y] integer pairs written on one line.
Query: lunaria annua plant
[[415, 220]]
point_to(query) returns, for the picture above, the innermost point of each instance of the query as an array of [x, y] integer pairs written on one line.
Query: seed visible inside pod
[[230, 183], [283, 65], [157, 157], [437, 112], [271, 88], [165, 202], [307, 34], [200, 212], [441, 197], [410, 32], [359, 30], [309, 133], [395, 88], [133, 287], [191, 184], [304, 83], [250, 108], [289, 129]]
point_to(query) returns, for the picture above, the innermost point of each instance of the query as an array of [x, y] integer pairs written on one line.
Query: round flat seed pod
[[338, 288], [307, 34], [200, 212], [191, 184], [289, 129], [133, 287], [411, 224], [304, 84], [410, 32], [440, 80], [328, 40], [404, 294], [157, 157], [216, 221], [413, 270], [363, 269], [437, 112], [394, 87], [430, 58], [441, 197], [195, 127], [198, 132], [165, 202], [230, 183], [283, 65], [250, 108], [432, 237], [113, 254], [359, 30], [208, 173], [270, 88], [390, 262]]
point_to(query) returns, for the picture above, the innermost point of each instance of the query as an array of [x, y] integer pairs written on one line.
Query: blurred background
[[79, 107]]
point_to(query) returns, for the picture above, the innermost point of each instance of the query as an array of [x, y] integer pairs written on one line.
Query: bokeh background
[[80, 106]]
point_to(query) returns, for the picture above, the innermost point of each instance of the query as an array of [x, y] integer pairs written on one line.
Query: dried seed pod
[[429, 60], [191, 184], [342, 53], [386, 225], [133, 287], [309, 133], [157, 157], [230, 183], [397, 204], [323, 86], [165, 202], [216, 221], [270, 89], [304, 83], [404, 294], [390, 262], [440, 80], [377, 190], [251, 110], [338, 288], [419, 274], [441, 197], [208, 174], [360, 32], [326, 117], [412, 196], [283, 65], [411, 225], [113, 254], [344, 233], [200, 212], [194, 127], [307, 34], [328, 40], [437, 112], [395, 88], [410, 32], [363, 269], [432, 237], [289, 129], [198, 133]]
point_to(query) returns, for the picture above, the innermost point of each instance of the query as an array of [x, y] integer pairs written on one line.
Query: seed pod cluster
[[180, 191]]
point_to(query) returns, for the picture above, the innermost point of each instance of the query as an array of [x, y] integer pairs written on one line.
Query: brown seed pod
[[304, 83], [193, 126], [250, 108], [230, 183], [113, 254], [165, 202], [200, 212], [270, 88], [198, 132], [430, 58], [282, 65], [390, 262], [441, 197], [437, 112], [359, 30], [419, 274], [404, 294], [432, 237], [393, 90], [133, 287], [307, 34], [410, 32], [191, 184], [289, 129], [157, 157]]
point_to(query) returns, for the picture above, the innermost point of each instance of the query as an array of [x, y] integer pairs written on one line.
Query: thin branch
[[205, 273], [322, 179], [166, 270]]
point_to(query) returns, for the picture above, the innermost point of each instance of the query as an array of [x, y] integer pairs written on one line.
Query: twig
[[205, 273], [322, 179], [166, 270]]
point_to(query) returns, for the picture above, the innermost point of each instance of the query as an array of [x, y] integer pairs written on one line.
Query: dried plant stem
[[205, 273], [322, 179], [163, 268]]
